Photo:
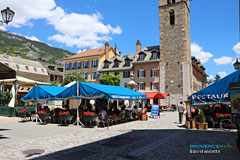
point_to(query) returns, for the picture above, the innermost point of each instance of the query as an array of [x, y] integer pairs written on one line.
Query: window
[[27, 68], [106, 65], [154, 86], [35, 69], [126, 74], [154, 73], [85, 75], [172, 17], [66, 66], [170, 1], [60, 69], [85, 64], [51, 68], [93, 75], [75, 66], [127, 62], [141, 86], [141, 73], [36, 78], [116, 64], [141, 57], [44, 80], [94, 63], [43, 70], [79, 65], [69, 66], [155, 56]]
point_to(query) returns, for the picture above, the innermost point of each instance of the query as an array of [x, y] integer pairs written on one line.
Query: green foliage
[[217, 78], [109, 79], [202, 117], [54, 83], [74, 76], [13, 43]]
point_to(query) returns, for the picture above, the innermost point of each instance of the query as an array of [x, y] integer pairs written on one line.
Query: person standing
[[180, 111]]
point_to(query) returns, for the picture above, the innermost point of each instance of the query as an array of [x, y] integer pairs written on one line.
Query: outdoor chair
[[128, 116], [104, 122], [114, 119]]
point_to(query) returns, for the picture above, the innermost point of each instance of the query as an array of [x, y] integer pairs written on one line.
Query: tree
[[54, 83], [110, 79], [217, 78], [74, 76]]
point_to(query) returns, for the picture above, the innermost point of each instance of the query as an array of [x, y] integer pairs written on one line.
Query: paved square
[[160, 138]]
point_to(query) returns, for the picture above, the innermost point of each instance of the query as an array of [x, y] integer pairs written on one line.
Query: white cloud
[[236, 48], [2, 28], [211, 78], [74, 29], [223, 60], [33, 38], [198, 52], [222, 74]]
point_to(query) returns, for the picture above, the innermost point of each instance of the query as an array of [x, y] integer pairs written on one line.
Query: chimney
[[107, 50], [138, 46], [120, 53]]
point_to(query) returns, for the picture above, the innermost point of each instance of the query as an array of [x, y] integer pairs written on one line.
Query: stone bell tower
[[175, 49]]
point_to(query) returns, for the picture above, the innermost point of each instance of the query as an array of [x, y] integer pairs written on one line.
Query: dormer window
[[155, 56], [51, 68], [141, 57], [27, 68], [35, 69], [106, 65], [116, 63], [127, 63]]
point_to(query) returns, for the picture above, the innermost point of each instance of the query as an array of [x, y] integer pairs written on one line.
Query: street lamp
[[7, 15], [236, 65]]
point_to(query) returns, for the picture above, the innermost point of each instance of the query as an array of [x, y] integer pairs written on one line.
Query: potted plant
[[64, 115], [43, 115], [188, 124], [202, 120], [193, 124], [23, 114]]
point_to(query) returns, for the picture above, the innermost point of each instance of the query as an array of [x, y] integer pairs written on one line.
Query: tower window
[[172, 17], [170, 1]]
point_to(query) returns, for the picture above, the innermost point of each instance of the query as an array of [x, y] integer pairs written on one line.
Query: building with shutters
[[118, 65], [87, 63]]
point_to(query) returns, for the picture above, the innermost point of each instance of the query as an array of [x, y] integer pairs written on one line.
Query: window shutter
[[92, 64], [157, 85], [91, 75], [80, 64], [144, 86], [151, 86], [97, 63], [138, 73], [151, 72], [65, 66], [158, 72], [83, 64], [87, 64], [138, 86], [144, 73]]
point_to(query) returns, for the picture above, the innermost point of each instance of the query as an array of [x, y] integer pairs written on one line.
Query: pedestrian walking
[[180, 111]]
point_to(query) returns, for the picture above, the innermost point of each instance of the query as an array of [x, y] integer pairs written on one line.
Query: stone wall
[[175, 50]]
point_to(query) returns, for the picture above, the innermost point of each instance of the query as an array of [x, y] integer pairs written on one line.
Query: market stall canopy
[[23, 81], [43, 92], [108, 91], [218, 91], [6, 72], [155, 95]]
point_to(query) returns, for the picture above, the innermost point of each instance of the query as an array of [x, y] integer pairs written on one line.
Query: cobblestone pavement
[[160, 138]]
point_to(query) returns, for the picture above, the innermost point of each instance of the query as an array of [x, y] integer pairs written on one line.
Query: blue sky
[[83, 24]]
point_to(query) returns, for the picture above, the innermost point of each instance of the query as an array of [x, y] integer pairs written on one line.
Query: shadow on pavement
[[154, 144]]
